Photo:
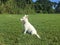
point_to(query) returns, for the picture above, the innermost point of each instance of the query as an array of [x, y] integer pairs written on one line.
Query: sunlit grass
[[47, 25]]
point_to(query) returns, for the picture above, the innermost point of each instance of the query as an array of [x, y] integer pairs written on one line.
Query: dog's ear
[[26, 16]]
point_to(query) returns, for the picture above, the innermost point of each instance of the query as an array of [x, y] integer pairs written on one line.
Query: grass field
[[47, 25]]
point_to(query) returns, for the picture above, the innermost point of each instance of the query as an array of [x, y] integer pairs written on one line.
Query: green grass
[[47, 25]]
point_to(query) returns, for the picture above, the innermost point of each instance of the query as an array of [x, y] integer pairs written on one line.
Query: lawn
[[47, 26]]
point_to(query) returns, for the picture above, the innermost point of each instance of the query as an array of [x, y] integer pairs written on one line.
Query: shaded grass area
[[47, 25]]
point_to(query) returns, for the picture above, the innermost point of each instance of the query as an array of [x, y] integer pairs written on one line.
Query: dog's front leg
[[25, 31]]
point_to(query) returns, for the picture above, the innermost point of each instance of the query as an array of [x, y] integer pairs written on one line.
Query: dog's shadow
[[26, 32]]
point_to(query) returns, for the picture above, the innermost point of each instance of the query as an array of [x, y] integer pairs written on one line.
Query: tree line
[[28, 6]]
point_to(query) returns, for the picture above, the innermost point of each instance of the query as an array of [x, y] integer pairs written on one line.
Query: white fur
[[28, 27]]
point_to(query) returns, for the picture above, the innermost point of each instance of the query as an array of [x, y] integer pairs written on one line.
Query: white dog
[[28, 27]]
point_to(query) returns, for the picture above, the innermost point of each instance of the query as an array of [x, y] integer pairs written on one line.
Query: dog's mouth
[[23, 21]]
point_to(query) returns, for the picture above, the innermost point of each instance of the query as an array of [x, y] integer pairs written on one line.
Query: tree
[[27, 6], [58, 8], [43, 6]]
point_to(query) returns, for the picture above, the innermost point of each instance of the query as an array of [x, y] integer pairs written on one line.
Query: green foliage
[[15, 6], [44, 6], [27, 6], [58, 8]]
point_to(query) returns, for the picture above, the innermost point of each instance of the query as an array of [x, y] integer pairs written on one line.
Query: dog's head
[[24, 18]]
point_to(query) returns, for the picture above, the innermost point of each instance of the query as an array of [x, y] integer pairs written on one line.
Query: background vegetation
[[28, 6]]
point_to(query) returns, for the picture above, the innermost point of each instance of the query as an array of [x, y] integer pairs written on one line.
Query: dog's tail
[[38, 36]]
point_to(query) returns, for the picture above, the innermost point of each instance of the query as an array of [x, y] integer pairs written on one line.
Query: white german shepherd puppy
[[28, 27]]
